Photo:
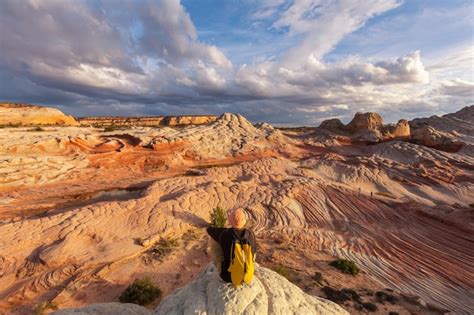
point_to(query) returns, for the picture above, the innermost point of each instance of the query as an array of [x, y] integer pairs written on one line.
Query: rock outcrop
[[368, 127], [148, 120], [450, 132], [269, 293], [25, 115]]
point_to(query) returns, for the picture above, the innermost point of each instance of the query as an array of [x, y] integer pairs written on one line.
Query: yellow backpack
[[242, 265]]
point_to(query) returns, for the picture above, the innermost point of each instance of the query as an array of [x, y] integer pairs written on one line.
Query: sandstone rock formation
[[75, 201], [450, 132], [269, 293], [368, 127], [147, 121], [25, 114]]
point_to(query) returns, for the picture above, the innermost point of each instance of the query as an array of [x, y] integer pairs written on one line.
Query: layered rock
[[148, 121], [25, 115], [450, 132], [368, 127], [269, 293]]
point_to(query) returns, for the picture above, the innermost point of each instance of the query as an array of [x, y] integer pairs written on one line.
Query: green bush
[[341, 296], [371, 307], [141, 291], [38, 128], [218, 217], [282, 270], [318, 277], [111, 128], [386, 297], [346, 266], [161, 250]]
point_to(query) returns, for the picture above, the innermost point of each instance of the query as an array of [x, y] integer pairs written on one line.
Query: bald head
[[237, 218]]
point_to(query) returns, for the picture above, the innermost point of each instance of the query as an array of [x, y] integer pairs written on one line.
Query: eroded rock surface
[[269, 293], [401, 210]]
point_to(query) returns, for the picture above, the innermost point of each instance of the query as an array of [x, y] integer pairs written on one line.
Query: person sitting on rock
[[238, 246]]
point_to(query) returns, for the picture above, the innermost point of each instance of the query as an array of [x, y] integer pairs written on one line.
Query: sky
[[284, 62]]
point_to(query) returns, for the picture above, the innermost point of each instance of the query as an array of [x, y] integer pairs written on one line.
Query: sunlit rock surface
[[25, 114], [82, 208]]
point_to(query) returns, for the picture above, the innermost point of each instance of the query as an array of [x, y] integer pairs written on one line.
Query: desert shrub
[[161, 249], [371, 307], [218, 217], [318, 277], [341, 296], [111, 128], [382, 297], [141, 291], [346, 266], [282, 270], [38, 128], [369, 292], [393, 313], [41, 308]]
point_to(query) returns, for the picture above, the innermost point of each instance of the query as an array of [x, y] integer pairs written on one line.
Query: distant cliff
[[147, 120]]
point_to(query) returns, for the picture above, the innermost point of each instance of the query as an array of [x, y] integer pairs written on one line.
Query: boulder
[[269, 293]]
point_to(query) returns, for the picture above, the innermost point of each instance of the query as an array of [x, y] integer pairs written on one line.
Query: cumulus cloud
[[145, 57]]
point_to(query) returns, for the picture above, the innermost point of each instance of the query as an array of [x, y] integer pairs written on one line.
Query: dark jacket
[[224, 237]]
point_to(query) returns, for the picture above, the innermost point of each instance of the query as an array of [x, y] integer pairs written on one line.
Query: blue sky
[[286, 62]]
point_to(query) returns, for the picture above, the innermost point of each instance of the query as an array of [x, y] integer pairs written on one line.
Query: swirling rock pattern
[[399, 209]]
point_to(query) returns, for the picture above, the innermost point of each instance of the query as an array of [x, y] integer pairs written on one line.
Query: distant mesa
[[147, 120], [27, 115]]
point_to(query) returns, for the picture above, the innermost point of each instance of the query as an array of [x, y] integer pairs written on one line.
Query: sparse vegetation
[[141, 291], [371, 307], [218, 217], [41, 308], [346, 266], [318, 277], [161, 249], [341, 296], [281, 270], [111, 128], [38, 128], [10, 126], [383, 297]]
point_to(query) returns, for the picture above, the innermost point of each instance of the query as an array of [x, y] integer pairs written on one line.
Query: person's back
[[226, 237]]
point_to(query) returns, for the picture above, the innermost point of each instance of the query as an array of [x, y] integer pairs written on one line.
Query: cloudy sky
[[286, 62]]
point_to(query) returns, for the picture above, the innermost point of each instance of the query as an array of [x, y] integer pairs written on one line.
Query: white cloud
[[325, 23], [146, 52]]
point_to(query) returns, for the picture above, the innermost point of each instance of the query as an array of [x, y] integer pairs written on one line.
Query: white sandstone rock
[[269, 293]]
